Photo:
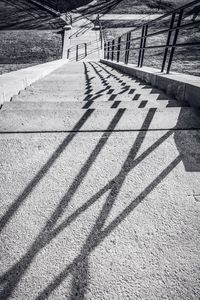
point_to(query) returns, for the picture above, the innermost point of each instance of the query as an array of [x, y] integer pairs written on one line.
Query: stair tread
[[65, 120]]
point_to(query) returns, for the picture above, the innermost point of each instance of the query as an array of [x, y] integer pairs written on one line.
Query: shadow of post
[[11, 278], [79, 268], [98, 234], [19, 201]]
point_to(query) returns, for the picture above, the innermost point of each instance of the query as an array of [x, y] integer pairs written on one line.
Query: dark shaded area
[[187, 142]]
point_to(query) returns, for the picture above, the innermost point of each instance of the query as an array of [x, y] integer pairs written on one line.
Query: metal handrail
[[177, 15]]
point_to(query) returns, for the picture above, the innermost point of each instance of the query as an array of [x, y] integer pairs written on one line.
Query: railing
[[98, 25], [170, 24], [78, 51]]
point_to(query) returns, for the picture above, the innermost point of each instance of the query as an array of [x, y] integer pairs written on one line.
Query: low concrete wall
[[179, 86], [11, 83]]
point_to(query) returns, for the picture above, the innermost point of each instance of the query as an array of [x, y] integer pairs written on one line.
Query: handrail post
[[113, 48], [104, 50], [174, 41], [108, 51], [118, 48], [65, 40], [168, 41], [101, 36], [68, 53], [76, 52], [127, 50], [143, 45]]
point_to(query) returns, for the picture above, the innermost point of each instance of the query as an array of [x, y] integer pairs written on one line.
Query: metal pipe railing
[[174, 18]]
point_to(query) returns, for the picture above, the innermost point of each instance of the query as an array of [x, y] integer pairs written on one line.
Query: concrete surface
[[179, 86], [11, 83], [109, 209], [131, 17], [83, 36], [91, 81], [65, 120]]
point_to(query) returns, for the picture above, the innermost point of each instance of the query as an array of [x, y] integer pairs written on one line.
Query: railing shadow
[[83, 50], [19, 201], [79, 267], [13, 276]]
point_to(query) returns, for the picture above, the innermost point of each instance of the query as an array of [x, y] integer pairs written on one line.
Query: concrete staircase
[[58, 100], [99, 189]]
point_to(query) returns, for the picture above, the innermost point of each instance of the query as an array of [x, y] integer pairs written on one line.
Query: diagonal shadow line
[[98, 73], [79, 30], [18, 202], [97, 94], [84, 170], [83, 31], [118, 79], [108, 186], [103, 80], [88, 83], [14, 274], [118, 182], [122, 216], [87, 249], [43, 239]]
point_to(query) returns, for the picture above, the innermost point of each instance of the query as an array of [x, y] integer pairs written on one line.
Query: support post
[[143, 45], [113, 49], [174, 41], [108, 51], [105, 50], [76, 52], [168, 41], [118, 48], [127, 50], [66, 41]]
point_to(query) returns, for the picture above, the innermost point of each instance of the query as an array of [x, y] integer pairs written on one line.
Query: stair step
[[63, 96], [41, 120], [45, 105]]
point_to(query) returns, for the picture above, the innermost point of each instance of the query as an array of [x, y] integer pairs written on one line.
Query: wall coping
[[180, 86], [13, 82]]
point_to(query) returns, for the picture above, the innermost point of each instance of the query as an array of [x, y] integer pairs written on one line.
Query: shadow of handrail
[[19, 201], [78, 268], [45, 236]]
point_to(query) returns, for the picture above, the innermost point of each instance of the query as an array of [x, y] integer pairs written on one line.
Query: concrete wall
[[179, 86], [11, 83]]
